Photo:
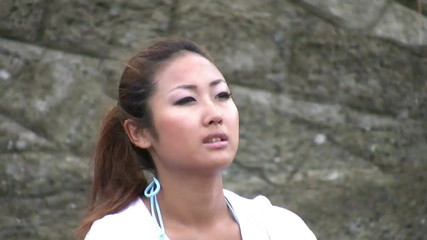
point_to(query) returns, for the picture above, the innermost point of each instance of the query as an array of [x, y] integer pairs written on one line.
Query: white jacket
[[258, 220]]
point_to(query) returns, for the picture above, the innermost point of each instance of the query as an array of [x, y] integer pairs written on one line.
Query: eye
[[185, 101], [224, 95]]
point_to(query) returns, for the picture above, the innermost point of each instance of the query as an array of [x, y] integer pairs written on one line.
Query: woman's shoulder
[[278, 221], [125, 224]]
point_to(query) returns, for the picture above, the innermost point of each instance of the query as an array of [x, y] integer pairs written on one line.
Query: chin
[[213, 165], [221, 162]]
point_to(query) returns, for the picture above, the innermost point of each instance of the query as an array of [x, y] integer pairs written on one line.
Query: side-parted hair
[[119, 165]]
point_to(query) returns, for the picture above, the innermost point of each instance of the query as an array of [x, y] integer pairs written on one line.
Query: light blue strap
[[151, 192], [233, 213]]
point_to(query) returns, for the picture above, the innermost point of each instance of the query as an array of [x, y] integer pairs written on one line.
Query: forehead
[[186, 68]]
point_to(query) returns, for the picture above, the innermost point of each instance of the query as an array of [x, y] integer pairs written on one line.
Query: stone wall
[[332, 98]]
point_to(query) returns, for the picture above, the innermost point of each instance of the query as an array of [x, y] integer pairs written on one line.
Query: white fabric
[[258, 220]]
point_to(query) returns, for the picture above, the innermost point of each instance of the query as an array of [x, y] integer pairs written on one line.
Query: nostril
[[215, 121], [213, 116]]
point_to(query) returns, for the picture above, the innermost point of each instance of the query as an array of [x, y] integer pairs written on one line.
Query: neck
[[192, 200]]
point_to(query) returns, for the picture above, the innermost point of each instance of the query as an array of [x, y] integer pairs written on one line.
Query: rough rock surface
[[332, 98]]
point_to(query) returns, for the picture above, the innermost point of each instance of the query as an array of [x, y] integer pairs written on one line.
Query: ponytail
[[118, 173]]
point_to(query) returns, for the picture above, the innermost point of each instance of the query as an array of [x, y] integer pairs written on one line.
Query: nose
[[212, 114]]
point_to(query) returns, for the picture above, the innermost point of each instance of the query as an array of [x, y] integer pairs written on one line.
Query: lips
[[216, 141], [214, 138]]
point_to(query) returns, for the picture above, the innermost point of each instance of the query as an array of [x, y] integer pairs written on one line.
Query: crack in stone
[[173, 16], [370, 27], [260, 172]]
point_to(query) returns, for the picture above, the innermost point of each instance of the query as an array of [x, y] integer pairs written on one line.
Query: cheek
[[172, 126], [233, 120], [234, 116], [237, 126]]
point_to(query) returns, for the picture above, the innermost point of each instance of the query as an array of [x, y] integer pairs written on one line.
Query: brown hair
[[118, 164]]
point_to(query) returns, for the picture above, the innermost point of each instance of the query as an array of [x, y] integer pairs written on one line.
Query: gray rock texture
[[332, 98]]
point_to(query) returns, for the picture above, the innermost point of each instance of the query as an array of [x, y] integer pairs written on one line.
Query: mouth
[[216, 141], [216, 137]]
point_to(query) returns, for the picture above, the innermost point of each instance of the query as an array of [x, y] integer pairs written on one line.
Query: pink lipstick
[[216, 141]]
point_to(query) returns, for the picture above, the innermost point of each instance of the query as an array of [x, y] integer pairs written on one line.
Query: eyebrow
[[194, 87]]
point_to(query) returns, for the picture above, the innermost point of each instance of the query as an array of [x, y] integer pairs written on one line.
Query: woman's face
[[196, 120]]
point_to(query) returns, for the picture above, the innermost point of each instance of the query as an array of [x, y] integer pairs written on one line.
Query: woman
[[175, 118]]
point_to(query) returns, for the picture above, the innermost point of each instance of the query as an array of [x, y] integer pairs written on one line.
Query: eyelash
[[187, 100], [224, 95]]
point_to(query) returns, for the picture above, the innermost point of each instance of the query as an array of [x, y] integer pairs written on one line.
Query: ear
[[139, 136]]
